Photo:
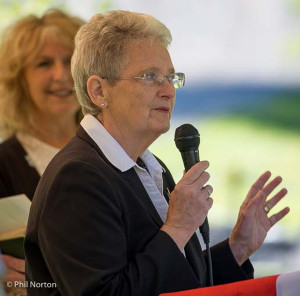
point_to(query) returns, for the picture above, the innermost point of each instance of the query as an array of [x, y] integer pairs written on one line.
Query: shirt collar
[[117, 156]]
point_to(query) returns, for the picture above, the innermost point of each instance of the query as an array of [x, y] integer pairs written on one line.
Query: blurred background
[[242, 64]]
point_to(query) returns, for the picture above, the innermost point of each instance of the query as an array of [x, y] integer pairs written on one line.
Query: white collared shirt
[[38, 154], [152, 181]]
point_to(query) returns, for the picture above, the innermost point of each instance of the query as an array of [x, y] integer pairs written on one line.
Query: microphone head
[[187, 137]]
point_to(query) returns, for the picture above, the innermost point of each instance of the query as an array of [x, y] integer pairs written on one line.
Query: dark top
[[16, 174], [93, 230]]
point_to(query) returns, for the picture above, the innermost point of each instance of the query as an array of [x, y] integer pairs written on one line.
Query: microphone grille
[[187, 137]]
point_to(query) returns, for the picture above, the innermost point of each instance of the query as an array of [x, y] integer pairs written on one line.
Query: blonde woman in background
[[39, 111]]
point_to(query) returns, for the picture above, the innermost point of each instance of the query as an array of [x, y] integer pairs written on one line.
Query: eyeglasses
[[155, 79]]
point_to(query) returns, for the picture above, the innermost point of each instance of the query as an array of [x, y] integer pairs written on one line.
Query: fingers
[[14, 263], [195, 172], [259, 184], [194, 180], [12, 276], [260, 200], [275, 199], [278, 216], [272, 202], [208, 190], [15, 269], [261, 191], [271, 186], [266, 191], [190, 200]]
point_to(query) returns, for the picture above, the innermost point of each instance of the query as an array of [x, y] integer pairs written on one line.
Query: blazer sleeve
[[16, 175], [225, 268]]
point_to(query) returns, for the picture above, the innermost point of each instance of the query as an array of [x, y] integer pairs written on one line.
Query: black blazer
[[93, 230], [16, 175]]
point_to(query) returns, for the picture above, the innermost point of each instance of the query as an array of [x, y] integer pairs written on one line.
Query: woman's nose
[[61, 72], [167, 89]]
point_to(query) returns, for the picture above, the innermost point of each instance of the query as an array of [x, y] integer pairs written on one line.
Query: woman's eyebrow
[[157, 70]]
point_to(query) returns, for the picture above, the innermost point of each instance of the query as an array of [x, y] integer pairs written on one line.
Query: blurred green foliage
[[103, 5], [295, 5], [13, 9], [10, 10], [293, 42], [282, 113]]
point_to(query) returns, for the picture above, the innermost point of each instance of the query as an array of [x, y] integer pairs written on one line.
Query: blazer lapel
[[193, 250], [194, 256], [134, 182], [131, 178]]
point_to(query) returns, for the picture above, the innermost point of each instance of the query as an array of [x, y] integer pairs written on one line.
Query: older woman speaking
[[102, 222]]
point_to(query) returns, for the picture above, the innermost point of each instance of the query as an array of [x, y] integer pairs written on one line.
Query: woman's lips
[[163, 109], [61, 93]]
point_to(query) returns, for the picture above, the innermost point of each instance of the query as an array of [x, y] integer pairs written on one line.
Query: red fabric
[[265, 286]]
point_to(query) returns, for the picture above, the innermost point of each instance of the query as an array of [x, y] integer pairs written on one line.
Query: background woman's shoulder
[[10, 147]]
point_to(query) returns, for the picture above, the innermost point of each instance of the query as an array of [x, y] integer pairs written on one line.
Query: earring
[[103, 105]]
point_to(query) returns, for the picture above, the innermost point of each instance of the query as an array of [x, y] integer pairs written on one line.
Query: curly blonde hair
[[101, 48], [21, 43]]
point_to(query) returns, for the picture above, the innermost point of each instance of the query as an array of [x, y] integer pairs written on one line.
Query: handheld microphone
[[187, 140]]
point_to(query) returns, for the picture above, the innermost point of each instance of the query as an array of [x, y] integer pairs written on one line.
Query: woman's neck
[[55, 132]]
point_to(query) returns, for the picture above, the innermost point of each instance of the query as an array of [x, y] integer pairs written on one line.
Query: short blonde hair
[[20, 45], [101, 48]]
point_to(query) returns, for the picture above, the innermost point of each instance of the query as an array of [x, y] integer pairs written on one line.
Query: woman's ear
[[95, 91]]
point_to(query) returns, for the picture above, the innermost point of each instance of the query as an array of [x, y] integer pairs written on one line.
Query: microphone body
[[189, 158], [187, 140]]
